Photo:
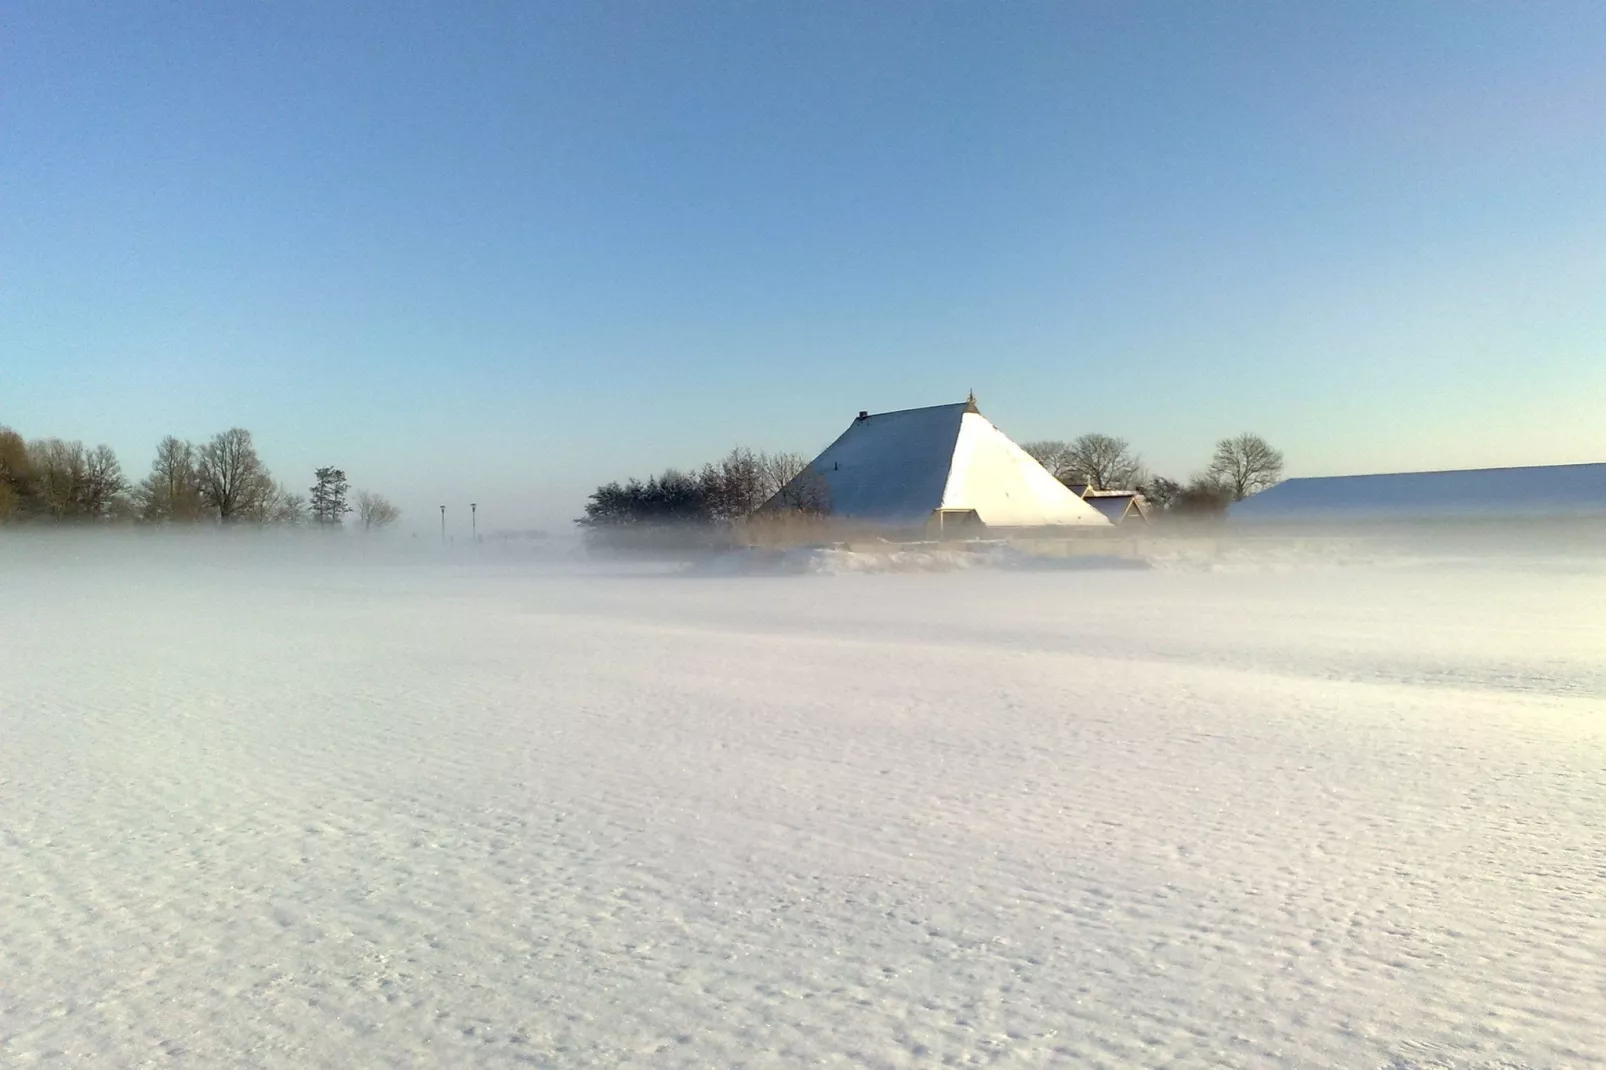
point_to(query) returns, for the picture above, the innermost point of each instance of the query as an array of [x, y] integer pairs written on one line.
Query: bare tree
[[103, 483], [231, 477], [776, 470], [279, 506], [1051, 453], [1103, 462], [172, 491], [375, 512], [807, 492], [289, 508], [57, 468], [744, 480], [1245, 464], [72, 482]]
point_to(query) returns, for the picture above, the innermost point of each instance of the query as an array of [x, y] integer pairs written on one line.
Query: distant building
[[944, 467], [1118, 506], [1547, 492]]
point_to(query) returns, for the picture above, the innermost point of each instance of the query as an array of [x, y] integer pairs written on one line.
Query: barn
[[1532, 493], [943, 467], [1119, 506]]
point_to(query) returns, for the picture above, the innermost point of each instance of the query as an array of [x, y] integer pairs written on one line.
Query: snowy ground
[[330, 813]]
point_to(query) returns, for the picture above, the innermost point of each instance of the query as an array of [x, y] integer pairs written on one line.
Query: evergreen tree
[[329, 496]]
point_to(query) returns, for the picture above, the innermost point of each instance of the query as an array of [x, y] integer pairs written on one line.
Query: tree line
[[698, 505], [1240, 466], [694, 506], [220, 481]]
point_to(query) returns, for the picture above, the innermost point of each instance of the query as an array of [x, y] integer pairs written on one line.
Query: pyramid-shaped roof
[[898, 468]]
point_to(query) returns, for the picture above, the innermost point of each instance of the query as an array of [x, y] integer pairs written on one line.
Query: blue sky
[[507, 253]]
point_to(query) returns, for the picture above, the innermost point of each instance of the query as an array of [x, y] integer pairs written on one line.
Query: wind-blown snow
[[336, 814]]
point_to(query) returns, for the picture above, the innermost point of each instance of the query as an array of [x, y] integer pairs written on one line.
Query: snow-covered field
[[337, 812]]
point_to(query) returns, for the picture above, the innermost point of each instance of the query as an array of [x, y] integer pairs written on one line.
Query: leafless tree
[[57, 468], [1245, 464], [778, 469], [280, 506], [289, 508], [1103, 462], [72, 482], [232, 478], [744, 480], [807, 492], [171, 493], [1051, 453], [375, 512], [103, 482]]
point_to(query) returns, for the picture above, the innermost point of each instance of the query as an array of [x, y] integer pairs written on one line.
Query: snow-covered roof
[[1117, 505], [899, 467], [1547, 491]]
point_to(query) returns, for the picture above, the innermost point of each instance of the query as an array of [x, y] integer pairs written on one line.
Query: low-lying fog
[[1268, 802]]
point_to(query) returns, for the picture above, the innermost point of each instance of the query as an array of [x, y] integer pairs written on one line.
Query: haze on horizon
[[509, 254]]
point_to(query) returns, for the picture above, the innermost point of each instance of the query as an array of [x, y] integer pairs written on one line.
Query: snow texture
[[897, 468], [336, 813], [1005, 485], [1564, 490], [907, 557]]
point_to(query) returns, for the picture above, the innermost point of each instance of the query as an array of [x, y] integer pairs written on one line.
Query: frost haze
[[416, 813]]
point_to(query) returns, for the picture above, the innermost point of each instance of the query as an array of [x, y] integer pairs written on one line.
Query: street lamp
[[443, 525], [474, 522]]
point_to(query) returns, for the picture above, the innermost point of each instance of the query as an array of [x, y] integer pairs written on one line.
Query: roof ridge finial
[[970, 403]]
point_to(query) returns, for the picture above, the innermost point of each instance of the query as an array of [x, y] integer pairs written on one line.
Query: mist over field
[[690, 536], [1264, 803]]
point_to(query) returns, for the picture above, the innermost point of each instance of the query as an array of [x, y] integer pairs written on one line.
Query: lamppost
[[474, 522], [443, 525]]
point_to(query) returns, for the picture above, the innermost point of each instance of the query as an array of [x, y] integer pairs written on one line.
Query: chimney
[[864, 414]]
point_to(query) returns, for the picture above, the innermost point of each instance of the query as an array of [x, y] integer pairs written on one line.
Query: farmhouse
[[940, 467]]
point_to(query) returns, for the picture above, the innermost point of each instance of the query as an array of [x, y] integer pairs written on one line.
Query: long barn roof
[[1546, 491]]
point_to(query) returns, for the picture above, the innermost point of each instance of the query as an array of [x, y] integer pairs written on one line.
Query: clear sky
[[503, 251]]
